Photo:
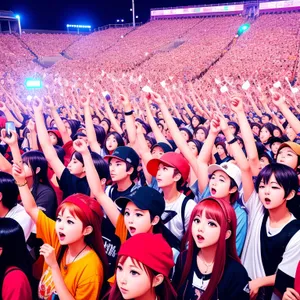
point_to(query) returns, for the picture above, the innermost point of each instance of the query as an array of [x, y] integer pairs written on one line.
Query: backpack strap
[[184, 202]]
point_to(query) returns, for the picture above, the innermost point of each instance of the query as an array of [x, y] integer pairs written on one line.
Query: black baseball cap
[[126, 154], [166, 148], [275, 140], [145, 198]]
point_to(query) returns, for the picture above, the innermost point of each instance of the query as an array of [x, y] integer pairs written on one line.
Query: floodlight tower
[[133, 14], [19, 24]]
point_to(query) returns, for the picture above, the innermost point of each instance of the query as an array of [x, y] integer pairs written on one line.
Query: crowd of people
[[130, 176]]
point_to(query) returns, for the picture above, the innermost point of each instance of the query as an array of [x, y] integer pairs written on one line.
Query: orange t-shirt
[[83, 278]]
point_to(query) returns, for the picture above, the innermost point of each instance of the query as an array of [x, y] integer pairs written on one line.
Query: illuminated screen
[[279, 4], [197, 10]]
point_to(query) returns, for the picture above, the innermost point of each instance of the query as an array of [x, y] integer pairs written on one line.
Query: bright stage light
[[33, 83], [18, 17], [243, 28]]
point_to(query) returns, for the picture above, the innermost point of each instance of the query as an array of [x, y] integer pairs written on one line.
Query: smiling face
[[288, 157], [271, 194], [205, 231], [219, 185], [69, 228], [133, 280], [137, 220]]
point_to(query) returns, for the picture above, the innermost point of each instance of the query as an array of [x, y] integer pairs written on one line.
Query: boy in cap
[[171, 172]]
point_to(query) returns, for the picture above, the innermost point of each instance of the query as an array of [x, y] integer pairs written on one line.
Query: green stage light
[[33, 83], [243, 28]]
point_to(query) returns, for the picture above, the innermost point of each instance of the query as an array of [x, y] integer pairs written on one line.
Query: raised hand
[[9, 140], [236, 104], [85, 101], [49, 254], [49, 102], [215, 125], [278, 99], [18, 172], [80, 146], [37, 105]]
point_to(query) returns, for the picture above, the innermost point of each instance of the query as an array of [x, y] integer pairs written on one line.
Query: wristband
[[129, 113], [20, 185], [232, 141]]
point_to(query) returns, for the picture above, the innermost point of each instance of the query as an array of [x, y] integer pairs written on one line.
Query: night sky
[[55, 14]]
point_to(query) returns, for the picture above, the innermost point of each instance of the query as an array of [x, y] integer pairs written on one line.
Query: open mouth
[[200, 238], [132, 230], [61, 236], [267, 201], [213, 191]]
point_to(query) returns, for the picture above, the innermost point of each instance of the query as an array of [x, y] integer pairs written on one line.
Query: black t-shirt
[[70, 184], [45, 199], [233, 284], [112, 242]]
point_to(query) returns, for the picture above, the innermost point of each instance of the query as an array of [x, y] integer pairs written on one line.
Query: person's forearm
[[5, 164], [129, 122], [290, 117], [60, 126], [206, 151], [33, 141], [9, 116], [112, 118], [16, 153], [60, 286], [90, 131]]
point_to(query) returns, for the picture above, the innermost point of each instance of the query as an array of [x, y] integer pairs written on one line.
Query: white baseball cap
[[232, 170]]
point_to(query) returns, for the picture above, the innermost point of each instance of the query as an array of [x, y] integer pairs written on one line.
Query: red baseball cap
[[56, 132], [150, 249], [170, 159]]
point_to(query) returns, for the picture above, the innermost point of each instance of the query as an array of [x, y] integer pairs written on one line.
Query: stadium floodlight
[[18, 17], [122, 20], [137, 17], [243, 28], [31, 83], [118, 21]]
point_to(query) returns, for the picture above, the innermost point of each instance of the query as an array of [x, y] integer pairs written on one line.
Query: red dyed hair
[[94, 239], [164, 291], [222, 212]]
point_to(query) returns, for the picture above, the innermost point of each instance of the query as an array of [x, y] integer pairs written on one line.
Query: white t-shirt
[[251, 255], [19, 214], [173, 212]]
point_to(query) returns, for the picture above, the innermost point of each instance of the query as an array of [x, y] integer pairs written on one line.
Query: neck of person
[[124, 184], [223, 155], [171, 193], [279, 216], [29, 182], [150, 295], [208, 253], [76, 247], [3, 210]]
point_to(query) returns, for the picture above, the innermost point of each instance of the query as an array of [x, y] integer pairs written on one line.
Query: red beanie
[[150, 249]]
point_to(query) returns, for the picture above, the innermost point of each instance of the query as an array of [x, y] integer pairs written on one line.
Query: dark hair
[[36, 159], [74, 125], [267, 115], [285, 176], [14, 253], [198, 144], [117, 137], [200, 120], [151, 140], [241, 141], [100, 134], [235, 125], [96, 117], [190, 135], [222, 144], [134, 174], [180, 182], [201, 128], [60, 151], [269, 127], [277, 128], [107, 122], [101, 165], [9, 190]]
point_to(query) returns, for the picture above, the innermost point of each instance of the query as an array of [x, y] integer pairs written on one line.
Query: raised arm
[[94, 182], [177, 137], [247, 135], [279, 101], [240, 158], [48, 149]]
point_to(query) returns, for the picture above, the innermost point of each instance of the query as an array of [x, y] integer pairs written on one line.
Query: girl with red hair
[[75, 260], [210, 269]]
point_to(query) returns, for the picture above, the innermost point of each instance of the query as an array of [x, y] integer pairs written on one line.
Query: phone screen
[[9, 127]]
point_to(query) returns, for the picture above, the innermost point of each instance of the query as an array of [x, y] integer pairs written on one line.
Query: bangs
[[212, 210], [134, 262], [73, 209]]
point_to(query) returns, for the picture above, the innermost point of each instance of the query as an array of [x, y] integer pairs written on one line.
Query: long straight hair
[[164, 291], [94, 239], [220, 211]]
